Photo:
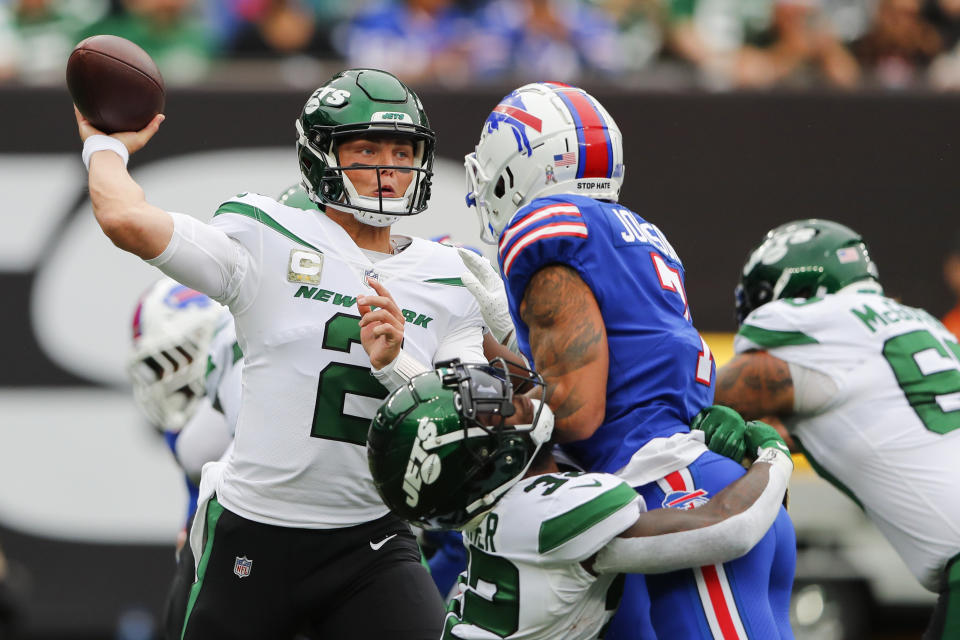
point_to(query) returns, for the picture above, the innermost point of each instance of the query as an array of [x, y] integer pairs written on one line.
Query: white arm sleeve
[[465, 343], [717, 543], [206, 259], [812, 390]]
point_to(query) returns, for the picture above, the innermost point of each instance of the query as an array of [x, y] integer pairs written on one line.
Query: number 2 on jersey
[[928, 371], [337, 379], [671, 281]]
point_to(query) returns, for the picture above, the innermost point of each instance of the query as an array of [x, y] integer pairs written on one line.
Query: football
[[114, 83]]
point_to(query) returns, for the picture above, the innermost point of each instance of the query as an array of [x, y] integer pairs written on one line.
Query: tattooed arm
[[759, 387], [569, 345]]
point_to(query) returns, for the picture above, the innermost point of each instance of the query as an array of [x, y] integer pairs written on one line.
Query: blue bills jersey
[[661, 371]]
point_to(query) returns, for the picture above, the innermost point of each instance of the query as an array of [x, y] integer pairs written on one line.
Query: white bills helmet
[[542, 139], [172, 329]]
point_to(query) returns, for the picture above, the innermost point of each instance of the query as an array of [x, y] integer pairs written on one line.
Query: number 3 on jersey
[[330, 420], [671, 281]]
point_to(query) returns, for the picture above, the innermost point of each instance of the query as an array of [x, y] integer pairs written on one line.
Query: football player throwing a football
[[290, 533], [866, 387], [596, 293]]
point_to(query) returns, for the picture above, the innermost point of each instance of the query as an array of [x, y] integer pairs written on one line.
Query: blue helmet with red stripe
[[542, 139]]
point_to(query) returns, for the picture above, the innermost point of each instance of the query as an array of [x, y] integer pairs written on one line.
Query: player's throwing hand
[[381, 325], [132, 140]]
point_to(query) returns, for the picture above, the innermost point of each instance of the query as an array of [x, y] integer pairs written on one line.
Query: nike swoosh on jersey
[[595, 483], [376, 545]]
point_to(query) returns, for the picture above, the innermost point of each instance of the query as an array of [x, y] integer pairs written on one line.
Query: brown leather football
[[114, 83]]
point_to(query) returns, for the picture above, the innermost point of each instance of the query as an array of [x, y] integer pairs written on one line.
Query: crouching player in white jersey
[[866, 387], [293, 534], [456, 449]]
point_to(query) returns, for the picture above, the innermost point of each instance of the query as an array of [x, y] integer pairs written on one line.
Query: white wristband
[[103, 143], [400, 371]]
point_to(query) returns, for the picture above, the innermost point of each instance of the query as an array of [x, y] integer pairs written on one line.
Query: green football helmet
[[360, 102], [438, 449], [803, 259]]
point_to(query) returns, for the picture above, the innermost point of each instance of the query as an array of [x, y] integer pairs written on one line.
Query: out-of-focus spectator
[[535, 39], [722, 39], [804, 43], [945, 69], [417, 40], [640, 26], [36, 36], [900, 44], [272, 28], [951, 275], [171, 31], [759, 44]]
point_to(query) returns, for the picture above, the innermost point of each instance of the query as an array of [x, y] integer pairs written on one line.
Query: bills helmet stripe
[[552, 230], [137, 328], [596, 149], [535, 216], [521, 116]]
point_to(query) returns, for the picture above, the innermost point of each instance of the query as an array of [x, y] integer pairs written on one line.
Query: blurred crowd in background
[[716, 44]]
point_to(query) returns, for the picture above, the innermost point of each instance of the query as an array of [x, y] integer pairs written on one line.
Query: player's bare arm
[[118, 202], [569, 344], [381, 328], [756, 384]]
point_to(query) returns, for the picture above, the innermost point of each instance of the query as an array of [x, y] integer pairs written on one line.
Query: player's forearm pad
[[717, 543]]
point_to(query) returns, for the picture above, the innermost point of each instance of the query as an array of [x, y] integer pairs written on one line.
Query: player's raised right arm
[[119, 204]]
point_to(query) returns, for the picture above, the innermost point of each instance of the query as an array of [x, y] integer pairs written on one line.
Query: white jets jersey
[[890, 436], [223, 382], [299, 456], [524, 578]]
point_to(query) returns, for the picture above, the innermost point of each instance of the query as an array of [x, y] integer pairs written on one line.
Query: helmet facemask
[[451, 431], [173, 328], [336, 190]]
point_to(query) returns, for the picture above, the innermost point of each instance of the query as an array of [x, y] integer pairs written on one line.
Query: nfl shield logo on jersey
[[242, 567], [370, 273], [685, 499]]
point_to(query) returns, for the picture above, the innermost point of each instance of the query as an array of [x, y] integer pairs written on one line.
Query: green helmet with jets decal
[[359, 102], [438, 449], [803, 259]]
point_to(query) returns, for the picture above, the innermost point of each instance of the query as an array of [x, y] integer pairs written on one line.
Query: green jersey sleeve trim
[[768, 338], [561, 529], [237, 352], [262, 217], [453, 282]]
